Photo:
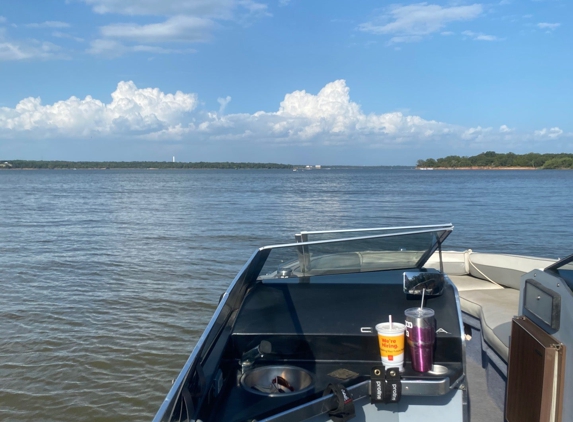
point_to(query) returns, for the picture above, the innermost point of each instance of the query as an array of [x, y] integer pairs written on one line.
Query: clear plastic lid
[[419, 312]]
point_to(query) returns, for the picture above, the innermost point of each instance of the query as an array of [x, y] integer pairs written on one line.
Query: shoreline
[[134, 168], [483, 168]]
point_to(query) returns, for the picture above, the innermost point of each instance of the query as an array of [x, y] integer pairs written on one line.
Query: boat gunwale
[[168, 405]]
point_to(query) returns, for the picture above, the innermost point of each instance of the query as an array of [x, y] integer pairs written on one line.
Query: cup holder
[[438, 370], [277, 381]]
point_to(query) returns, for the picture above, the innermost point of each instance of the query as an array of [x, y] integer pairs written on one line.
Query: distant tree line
[[493, 159], [32, 164]]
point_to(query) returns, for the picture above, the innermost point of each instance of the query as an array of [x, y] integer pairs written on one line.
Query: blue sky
[[293, 81]]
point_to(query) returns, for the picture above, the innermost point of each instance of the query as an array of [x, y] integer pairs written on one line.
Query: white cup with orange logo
[[391, 342]]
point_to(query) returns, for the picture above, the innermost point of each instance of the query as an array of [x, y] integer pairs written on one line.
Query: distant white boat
[[425, 168]]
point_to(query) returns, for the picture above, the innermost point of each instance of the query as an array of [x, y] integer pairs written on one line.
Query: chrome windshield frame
[[561, 269], [434, 226], [557, 265], [448, 228]]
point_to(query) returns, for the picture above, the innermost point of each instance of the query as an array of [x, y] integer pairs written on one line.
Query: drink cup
[[421, 336], [391, 342]]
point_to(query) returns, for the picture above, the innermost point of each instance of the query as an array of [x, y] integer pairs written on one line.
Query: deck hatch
[[543, 303]]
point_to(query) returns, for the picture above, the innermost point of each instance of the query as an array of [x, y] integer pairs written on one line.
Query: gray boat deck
[[482, 407]]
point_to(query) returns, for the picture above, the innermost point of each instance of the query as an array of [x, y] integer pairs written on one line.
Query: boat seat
[[467, 282], [494, 308]]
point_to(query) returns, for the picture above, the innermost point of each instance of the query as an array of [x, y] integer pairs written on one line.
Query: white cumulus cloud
[[223, 102], [476, 133], [131, 111], [326, 118], [552, 133]]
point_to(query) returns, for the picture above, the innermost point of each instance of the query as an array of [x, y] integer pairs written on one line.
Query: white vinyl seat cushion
[[467, 282], [494, 308]]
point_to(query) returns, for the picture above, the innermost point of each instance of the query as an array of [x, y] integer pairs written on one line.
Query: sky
[[285, 81]]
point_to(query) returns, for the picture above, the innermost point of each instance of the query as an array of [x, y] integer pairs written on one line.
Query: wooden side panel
[[535, 375]]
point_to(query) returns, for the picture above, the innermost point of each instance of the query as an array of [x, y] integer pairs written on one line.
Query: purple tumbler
[[421, 335]]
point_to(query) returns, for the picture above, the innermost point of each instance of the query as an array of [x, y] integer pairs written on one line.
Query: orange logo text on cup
[[391, 346]]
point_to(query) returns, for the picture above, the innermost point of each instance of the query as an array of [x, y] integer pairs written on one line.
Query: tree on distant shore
[[493, 159], [559, 163]]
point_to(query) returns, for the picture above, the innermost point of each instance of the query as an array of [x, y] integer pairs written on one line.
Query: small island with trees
[[495, 161]]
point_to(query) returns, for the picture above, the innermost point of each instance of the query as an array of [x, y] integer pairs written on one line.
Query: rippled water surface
[[109, 277]]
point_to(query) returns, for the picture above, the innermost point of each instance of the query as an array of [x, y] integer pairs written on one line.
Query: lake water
[[109, 277]]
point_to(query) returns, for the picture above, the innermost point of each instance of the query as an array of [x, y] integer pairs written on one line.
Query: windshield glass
[[389, 251], [564, 268]]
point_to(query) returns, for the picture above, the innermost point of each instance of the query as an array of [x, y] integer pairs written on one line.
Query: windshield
[[397, 248], [564, 268]]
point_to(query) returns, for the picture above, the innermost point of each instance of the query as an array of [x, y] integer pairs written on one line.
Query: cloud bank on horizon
[[327, 118]]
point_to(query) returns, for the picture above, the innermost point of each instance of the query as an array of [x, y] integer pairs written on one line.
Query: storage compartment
[[535, 374]]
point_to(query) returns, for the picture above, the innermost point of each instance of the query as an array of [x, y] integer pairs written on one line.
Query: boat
[[294, 336]]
